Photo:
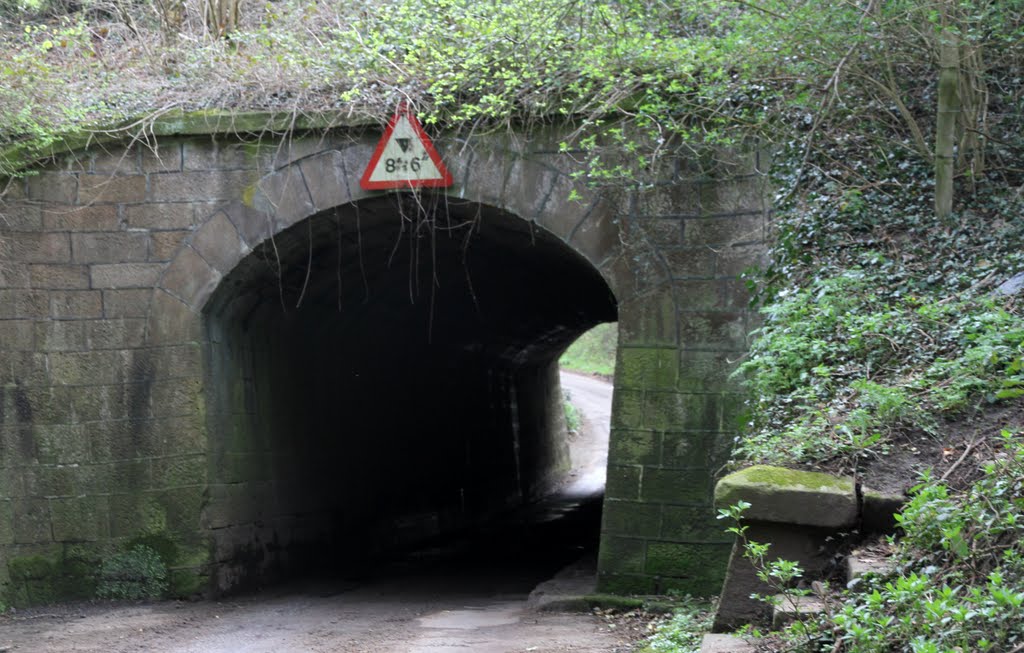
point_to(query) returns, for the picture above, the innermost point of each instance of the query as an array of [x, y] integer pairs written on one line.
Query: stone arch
[[322, 184]]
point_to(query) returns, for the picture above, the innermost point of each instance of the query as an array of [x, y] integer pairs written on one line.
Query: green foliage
[[573, 421], [845, 360], [959, 585], [137, 573], [683, 630], [593, 352]]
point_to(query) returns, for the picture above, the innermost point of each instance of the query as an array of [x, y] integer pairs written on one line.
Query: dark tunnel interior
[[382, 374]]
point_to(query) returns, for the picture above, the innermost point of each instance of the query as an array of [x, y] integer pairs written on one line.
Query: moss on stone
[[30, 568], [784, 477]]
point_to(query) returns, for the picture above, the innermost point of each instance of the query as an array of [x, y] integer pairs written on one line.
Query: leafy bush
[[138, 573], [960, 580], [845, 360]]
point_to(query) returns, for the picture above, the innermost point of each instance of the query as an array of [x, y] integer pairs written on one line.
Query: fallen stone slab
[[790, 608], [725, 644], [788, 496], [860, 564]]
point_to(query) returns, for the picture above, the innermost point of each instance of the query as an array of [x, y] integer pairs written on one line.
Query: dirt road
[[470, 597]]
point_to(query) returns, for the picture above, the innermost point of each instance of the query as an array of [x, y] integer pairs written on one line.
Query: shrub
[[137, 573]]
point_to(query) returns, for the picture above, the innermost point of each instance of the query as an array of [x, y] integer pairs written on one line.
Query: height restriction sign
[[405, 157]]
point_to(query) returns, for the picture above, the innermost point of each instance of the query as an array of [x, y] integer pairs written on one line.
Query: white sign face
[[405, 157]]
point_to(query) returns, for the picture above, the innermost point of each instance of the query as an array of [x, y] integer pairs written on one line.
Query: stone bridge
[[217, 344]]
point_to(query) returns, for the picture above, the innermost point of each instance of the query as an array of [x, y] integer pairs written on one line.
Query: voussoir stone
[[781, 495]]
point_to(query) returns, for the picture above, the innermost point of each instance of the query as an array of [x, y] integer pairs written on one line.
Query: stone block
[[668, 200], [214, 155], [79, 519], [179, 471], [623, 482], [126, 303], [49, 481], [660, 233], [60, 335], [115, 333], [596, 234], [803, 545], [125, 275], [861, 563], [24, 304], [739, 195], [647, 368], [190, 278], [676, 487], [62, 444], [696, 523], [326, 179], [200, 186], [110, 247], [734, 260], [55, 187], [173, 322], [686, 560], [17, 335], [13, 276], [162, 156], [31, 519], [627, 409], [650, 320], [284, 195], [164, 245], [32, 247], [103, 188], [27, 368], [100, 217], [724, 231], [682, 412], [118, 161], [161, 216], [789, 496], [625, 584], [219, 243], [687, 449], [528, 188], [713, 330], [87, 368], [791, 607], [621, 555], [634, 447], [717, 643], [631, 518], [686, 263], [19, 216], [59, 277], [705, 371], [6, 523]]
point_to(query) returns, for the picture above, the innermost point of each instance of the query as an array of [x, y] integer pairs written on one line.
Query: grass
[[593, 352]]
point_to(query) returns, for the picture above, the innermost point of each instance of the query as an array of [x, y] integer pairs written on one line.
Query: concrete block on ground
[[716, 643], [790, 608], [862, 563]]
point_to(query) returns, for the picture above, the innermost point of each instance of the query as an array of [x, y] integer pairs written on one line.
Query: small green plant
[[573, 421], [683, 630], [137, 573]]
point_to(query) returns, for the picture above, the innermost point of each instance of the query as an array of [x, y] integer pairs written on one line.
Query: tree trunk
[[221, 16], [946, 119]]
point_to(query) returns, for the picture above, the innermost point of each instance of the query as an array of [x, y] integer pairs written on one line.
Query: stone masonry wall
[[108, 256]]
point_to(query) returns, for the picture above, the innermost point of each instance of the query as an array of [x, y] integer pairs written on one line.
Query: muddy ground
[[470, 595]]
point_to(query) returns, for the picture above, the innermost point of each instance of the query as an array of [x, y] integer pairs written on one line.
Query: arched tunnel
[[384, 373]]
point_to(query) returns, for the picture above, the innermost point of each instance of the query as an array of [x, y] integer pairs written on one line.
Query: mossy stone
[[788, 496]]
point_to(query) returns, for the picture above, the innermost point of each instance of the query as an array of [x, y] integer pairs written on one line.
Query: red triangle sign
[[405, 157]]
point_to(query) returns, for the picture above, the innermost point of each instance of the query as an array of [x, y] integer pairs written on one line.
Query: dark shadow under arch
[[384, 372]]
